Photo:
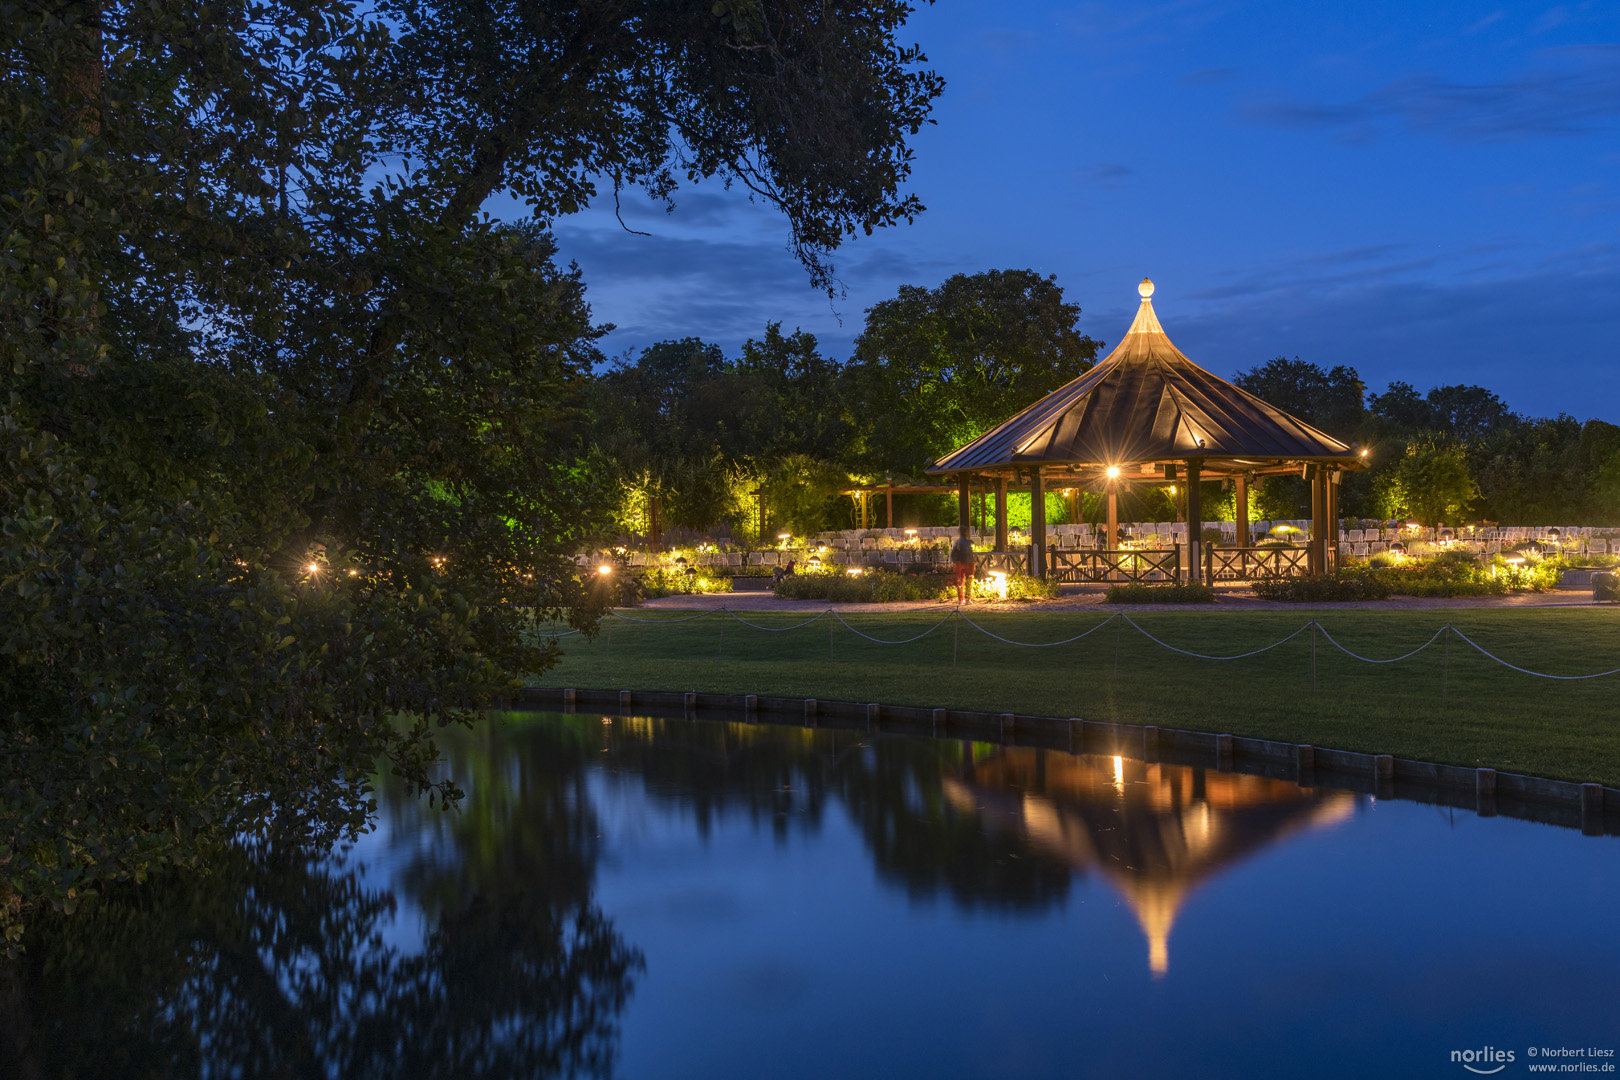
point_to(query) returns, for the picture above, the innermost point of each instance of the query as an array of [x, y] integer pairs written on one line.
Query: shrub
[[1019, 587], [874, 586], [1136, 592], [661, 581], [1318, 588]]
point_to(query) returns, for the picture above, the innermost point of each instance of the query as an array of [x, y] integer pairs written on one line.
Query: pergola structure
[[1146, 416]]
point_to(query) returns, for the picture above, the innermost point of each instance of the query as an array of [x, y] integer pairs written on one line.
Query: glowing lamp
[[313, 568], [1000, 583], [604, 569], [1113, 472]]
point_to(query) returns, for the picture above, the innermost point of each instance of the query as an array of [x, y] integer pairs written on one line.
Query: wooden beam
[[1195, 522], [1243, 510], [1037, 526], [1001, 513]]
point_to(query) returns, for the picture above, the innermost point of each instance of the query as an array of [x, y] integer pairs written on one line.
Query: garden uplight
[[313, 568], [1000, 580], [604, 569]]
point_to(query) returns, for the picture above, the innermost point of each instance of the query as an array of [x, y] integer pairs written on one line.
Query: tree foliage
[[934, 368], [297, 437]]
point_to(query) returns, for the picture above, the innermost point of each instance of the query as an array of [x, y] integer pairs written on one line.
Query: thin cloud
[[1577, 93]]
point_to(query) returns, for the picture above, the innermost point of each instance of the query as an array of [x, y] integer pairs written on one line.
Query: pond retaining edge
[[1591, 808]]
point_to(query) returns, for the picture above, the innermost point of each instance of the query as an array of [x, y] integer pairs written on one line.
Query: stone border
[[1592, 808]]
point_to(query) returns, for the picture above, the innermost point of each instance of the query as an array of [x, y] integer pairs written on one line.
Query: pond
[[644, 897]]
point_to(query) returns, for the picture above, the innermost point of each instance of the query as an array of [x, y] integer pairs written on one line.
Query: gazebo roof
[[1146, 402]]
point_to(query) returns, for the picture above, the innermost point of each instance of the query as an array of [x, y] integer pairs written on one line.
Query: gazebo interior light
[[1113, 472]]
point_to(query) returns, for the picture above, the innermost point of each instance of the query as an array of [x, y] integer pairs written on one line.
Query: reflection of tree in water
[[281, 965], [891, 786], [988, 826]]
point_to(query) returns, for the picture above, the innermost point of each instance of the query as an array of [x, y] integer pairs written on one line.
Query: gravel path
[[1090, 598]]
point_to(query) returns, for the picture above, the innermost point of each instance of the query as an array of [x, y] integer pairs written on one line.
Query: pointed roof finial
[[1145, 322]]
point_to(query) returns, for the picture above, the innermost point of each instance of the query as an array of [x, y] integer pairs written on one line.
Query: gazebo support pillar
[[889, 523], [964, 505], [1111, 541], [1001, 513], [1195, 524], [1037, 525], [1332, 486], [1242, 481], [1317, 559]]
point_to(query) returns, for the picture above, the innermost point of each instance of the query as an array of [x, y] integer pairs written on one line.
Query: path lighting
[[1000, 585], [604, 570], [681, 561], [815, 562], [856, 571]]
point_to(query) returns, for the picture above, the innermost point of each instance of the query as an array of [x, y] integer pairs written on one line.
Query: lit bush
[[1323, 588]]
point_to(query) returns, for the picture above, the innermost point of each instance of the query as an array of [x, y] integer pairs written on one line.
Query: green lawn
[[1490, 715]]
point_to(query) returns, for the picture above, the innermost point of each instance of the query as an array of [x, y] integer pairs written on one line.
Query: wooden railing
[[1005, 562], [1152, 564], [1258, 563]]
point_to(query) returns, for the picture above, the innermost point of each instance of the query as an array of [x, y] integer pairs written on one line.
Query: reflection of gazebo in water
[[1156, 832], [1148, 416]]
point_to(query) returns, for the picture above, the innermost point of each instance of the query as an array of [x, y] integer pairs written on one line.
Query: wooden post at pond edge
[[1001, 513]]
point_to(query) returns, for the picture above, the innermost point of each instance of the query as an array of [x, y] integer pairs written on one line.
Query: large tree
[[936, 367], [1328, 399], [293, 430]]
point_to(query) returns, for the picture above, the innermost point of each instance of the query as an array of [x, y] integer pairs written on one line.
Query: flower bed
[[880, 586], [1320, 588]]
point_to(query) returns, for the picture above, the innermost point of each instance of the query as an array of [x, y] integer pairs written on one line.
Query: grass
[[1490, 715]]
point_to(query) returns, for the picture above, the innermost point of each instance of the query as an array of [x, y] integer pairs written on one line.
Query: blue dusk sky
[[1423, 191]]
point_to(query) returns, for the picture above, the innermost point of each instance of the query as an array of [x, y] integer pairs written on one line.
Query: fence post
[[1445, 662]]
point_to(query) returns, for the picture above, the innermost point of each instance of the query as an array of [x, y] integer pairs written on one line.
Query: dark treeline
[[932, 369], [710, 436], [1503, 466]]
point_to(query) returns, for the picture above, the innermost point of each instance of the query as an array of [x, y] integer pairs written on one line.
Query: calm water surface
[[670, 898]]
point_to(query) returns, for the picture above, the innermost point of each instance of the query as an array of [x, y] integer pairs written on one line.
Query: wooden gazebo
[[1146, 416]]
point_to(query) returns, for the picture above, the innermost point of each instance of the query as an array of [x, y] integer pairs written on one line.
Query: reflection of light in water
[[1155, 839]]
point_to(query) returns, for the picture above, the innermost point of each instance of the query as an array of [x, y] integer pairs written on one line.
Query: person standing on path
[[962, 566]]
